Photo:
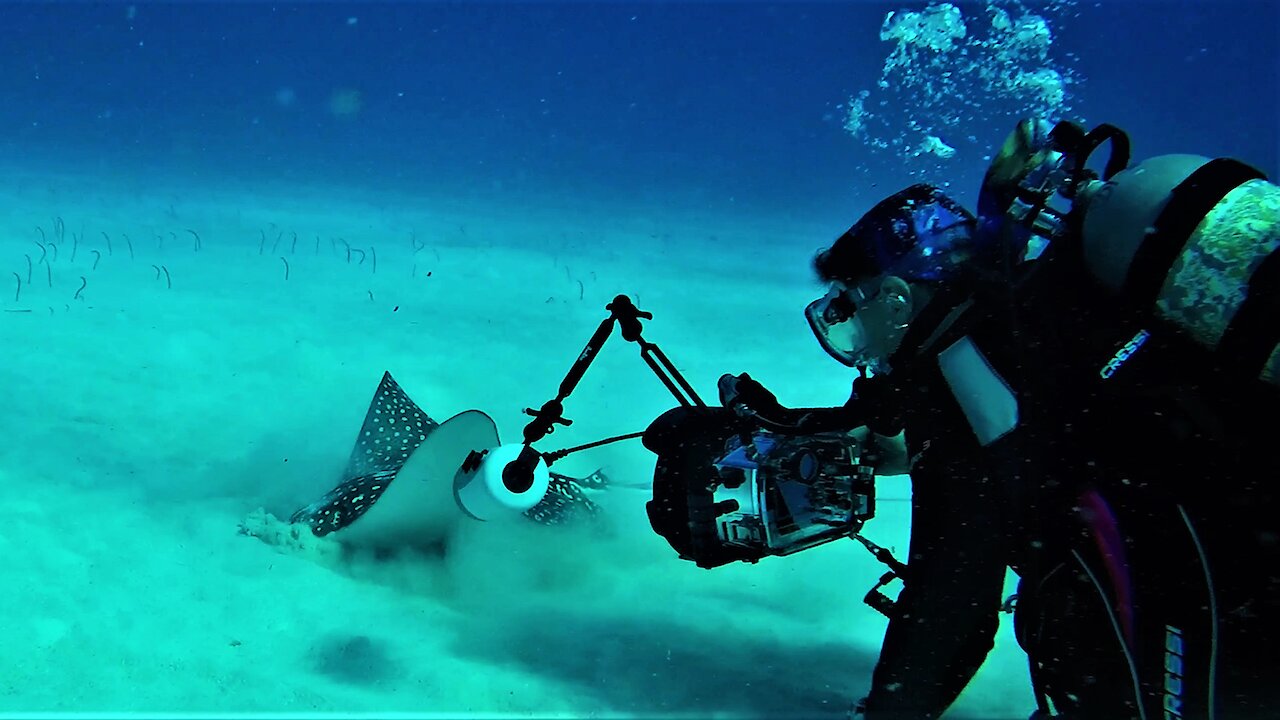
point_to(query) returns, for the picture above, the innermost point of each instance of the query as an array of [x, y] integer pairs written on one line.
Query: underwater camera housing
[[728, 486], [723, 492]]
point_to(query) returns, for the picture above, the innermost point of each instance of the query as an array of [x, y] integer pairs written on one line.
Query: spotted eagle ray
[[394, 428]]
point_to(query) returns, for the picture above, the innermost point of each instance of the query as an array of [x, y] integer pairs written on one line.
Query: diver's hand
[[742, 390], [882, 402]]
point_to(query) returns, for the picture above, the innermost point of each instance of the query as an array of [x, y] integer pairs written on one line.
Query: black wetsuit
[[1135, 509]]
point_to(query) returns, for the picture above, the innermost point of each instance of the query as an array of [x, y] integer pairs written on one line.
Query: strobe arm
[[623, 313], [518, 474], [628, 317]]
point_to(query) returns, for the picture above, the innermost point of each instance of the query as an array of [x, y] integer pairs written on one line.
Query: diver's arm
[[891, 452], [946, 614], [749, 396], [825, 419]]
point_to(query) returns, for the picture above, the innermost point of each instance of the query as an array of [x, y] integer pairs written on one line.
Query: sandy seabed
[[164, 379]]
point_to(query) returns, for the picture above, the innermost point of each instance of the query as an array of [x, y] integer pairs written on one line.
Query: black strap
[[1119, 158], [1027, 611], [1254, 331], [1188, 204], [1043, 708], [1087, 143]]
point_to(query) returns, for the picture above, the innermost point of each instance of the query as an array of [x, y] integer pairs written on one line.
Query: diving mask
[[848, 335]]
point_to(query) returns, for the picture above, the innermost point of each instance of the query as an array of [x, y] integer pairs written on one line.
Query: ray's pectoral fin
[[394, 427], [398, 488], [567, 501], [345, 503]]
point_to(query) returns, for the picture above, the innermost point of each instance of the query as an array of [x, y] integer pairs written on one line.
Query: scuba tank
[[1163, 290], [1186, 240]]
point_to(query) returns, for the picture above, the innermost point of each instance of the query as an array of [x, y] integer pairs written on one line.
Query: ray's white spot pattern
[[393, 428], [566, 501]]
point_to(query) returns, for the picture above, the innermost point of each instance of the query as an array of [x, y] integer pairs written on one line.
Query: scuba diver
[[1086, 375]]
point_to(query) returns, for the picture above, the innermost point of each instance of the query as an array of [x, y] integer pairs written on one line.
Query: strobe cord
[[551, 457]]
